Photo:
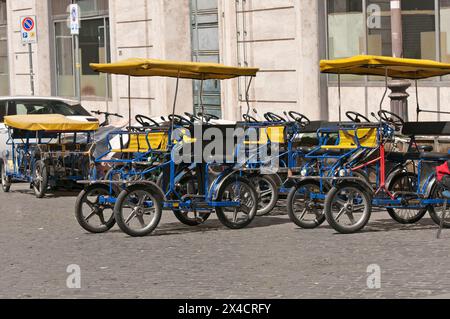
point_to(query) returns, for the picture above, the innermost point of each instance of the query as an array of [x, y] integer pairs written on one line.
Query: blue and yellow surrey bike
[[47, 151], [189, 183], [349, 203]]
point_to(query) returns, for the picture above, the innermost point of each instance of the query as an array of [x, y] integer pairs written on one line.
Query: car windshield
[[69, 110], [47, 107]]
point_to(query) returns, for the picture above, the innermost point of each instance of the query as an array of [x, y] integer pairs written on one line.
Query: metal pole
[[106, 60], [30, 52], [201, 98], [172, 124], [247, 95], [417, 100], [397, 31], [399, 95], [340, 97], [129, 102], [77, 68]]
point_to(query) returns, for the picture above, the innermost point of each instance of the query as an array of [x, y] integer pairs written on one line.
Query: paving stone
[[272, 258]]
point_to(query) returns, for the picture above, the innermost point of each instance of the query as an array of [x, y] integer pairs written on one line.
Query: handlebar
[[106, 113]]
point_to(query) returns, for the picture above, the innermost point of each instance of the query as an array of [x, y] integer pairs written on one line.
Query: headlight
[[304, 172], [343, 173]]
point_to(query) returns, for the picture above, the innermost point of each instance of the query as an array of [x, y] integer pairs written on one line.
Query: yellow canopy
[[377, 65], [52, 122], [186, 70]]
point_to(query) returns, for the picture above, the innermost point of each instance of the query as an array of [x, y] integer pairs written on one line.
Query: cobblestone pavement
[[271, 259]]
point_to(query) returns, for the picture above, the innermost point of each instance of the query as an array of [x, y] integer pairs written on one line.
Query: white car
[[24, 105]]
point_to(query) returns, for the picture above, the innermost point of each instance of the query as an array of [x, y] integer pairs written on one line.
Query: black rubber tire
[[186, 220], [265, 210], [276, 178], [290, 206], [329, 213], [393, 213], [40, 187], [183, 217], [6, 181], [220, 210], [118, 210], [435, 214], [79, 209]]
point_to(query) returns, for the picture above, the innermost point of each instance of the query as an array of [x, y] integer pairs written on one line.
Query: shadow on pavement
[[177, 228], [389, 225], [50, 194]]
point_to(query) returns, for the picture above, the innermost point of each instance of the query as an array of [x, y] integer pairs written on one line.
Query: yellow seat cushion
[[273, 133], [367, 137], [139, 144]]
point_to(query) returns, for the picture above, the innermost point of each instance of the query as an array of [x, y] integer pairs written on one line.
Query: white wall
[[150, 29], [18, 53], [354, 99], [280, 38]]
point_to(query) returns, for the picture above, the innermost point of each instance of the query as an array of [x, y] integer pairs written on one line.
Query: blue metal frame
[[23, 153]]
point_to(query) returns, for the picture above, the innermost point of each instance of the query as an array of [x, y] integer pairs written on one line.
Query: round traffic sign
[[28, 24]]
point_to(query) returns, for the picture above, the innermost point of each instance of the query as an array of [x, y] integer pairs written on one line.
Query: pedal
[[406, 195], [193, 197]]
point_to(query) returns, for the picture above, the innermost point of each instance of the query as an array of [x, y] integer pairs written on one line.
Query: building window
[[205, 48], [345, 31], [94, 46], [445, 30], [4, 74], [379, 38], [349, 33], [345, 28], [419, 29], [88, 8]]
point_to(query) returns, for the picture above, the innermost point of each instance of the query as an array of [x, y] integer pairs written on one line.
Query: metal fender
[[152, 186], [218, 182], [397, 170], [357, 181], [431, 186], [278, 180]]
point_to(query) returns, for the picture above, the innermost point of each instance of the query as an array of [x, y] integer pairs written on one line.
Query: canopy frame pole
[[339, 97], [172, 124], [202, 81], [247, 95], [417, 99], [386, 88], [129, 103], [419, 110]]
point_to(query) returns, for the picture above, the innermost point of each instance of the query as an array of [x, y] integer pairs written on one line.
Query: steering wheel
[[274, 118], [145, 121], [356, 117], [391, 118], [299, 118], [207, 117], [192, 117], [180, 120], [249, 119]]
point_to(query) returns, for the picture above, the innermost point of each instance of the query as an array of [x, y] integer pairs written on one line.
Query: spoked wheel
[[237, 189], [405, 182], [303, 209], [6, 181], [267, 191], [40, 179], [93, 211], [138, 211], [437, 211], [188, 185], [348, 208]]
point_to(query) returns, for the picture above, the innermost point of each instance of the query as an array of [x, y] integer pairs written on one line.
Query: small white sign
[[74, 11], [28, 29], [395, 4]]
